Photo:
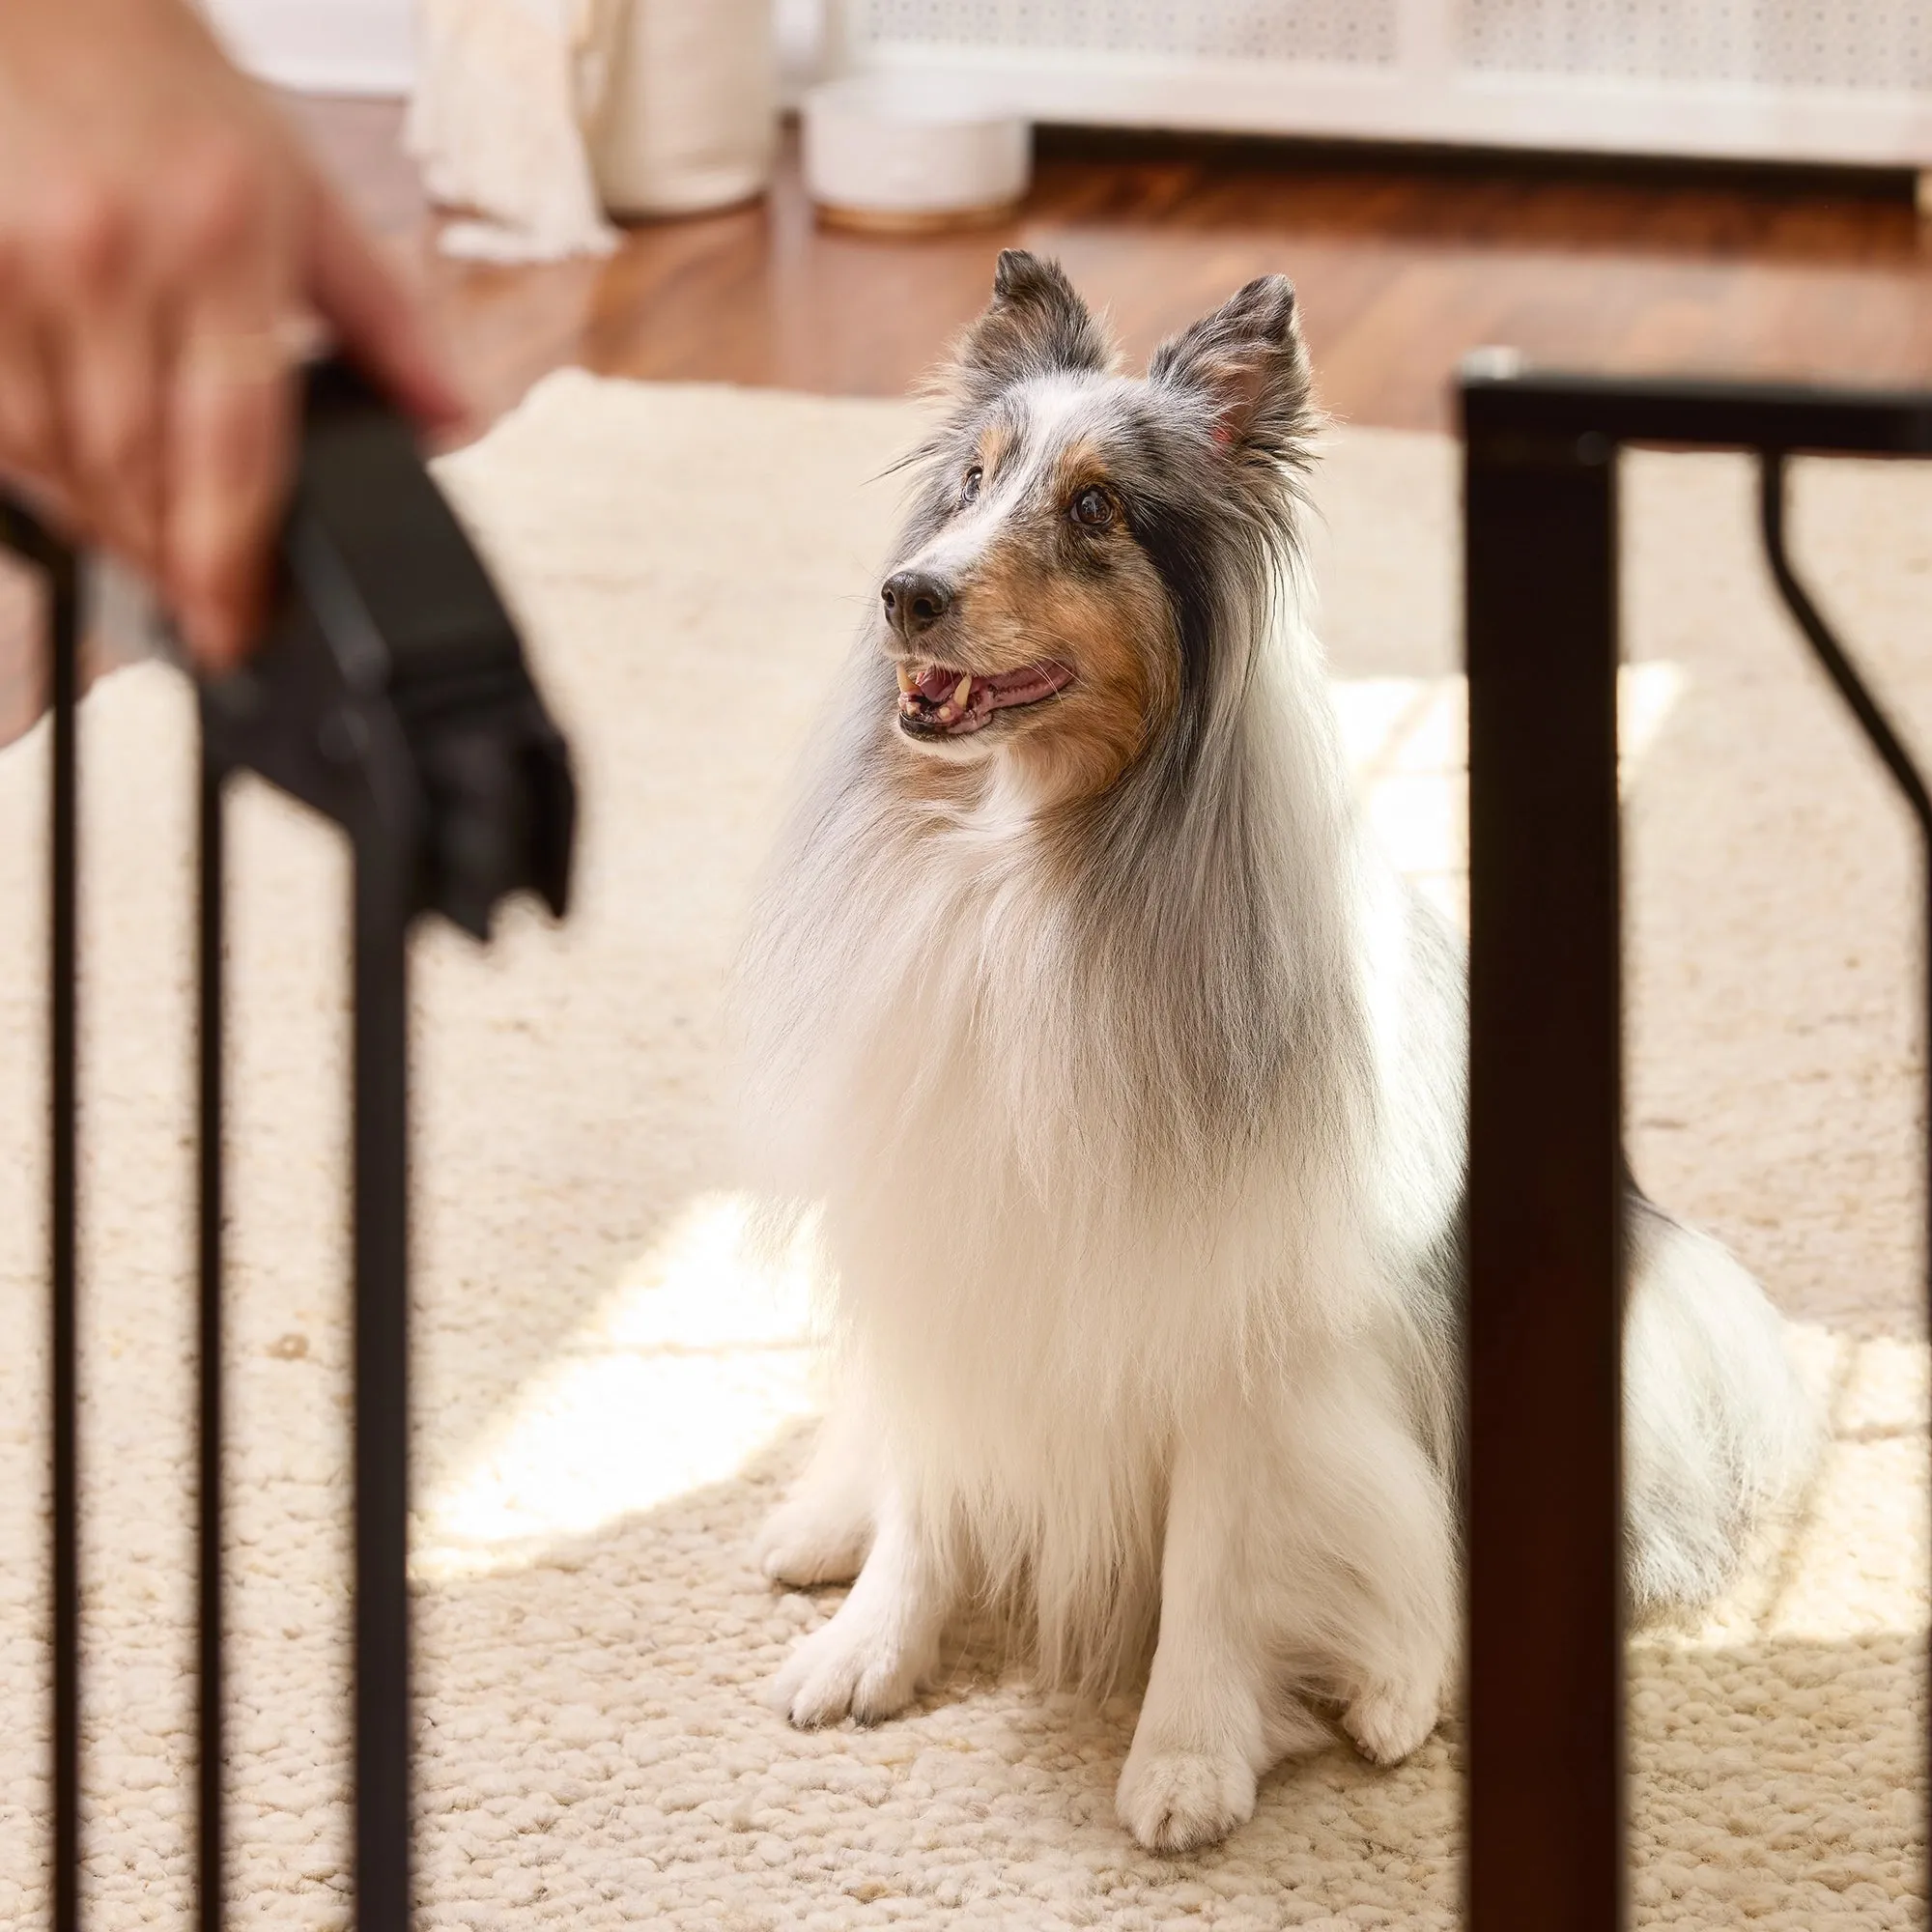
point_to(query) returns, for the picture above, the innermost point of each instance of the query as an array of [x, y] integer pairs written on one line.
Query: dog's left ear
[[1247, 365]]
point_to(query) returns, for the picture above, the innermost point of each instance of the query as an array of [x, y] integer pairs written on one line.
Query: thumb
[[376, 319]]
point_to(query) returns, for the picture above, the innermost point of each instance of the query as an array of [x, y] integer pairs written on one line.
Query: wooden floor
[[1404, 264]]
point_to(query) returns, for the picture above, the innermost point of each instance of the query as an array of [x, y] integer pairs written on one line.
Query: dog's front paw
[[1390, 1720], [802, 1544], [1179, 1801], [845, 1669]]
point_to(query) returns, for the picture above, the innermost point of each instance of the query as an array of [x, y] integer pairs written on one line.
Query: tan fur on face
[[1031, 598], [995, 440]]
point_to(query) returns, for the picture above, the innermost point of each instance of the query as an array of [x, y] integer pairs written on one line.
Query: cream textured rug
[[611, 1389]]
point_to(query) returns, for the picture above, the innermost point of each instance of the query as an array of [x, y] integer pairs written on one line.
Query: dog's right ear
[[1035, 325]]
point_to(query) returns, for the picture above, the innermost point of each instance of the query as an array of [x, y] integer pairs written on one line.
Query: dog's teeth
[[907, 682], [962, 688]]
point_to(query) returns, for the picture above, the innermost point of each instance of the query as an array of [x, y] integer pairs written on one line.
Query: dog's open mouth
[[942, 701]]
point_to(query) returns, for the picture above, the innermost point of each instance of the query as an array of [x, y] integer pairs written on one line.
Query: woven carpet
[[613, 1386]]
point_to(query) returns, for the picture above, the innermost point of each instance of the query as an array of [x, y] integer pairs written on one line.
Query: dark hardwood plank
[[1404, 264]]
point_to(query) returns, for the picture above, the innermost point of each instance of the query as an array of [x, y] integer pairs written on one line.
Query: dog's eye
[[1093, 507], [969, 488]]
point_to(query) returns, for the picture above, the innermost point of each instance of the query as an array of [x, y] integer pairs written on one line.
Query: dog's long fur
[[1128, 1080]]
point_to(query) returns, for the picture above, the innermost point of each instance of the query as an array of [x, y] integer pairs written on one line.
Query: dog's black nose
[[914, 602]]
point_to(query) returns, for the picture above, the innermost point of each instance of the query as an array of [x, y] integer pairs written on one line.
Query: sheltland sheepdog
[[1129, 1082]]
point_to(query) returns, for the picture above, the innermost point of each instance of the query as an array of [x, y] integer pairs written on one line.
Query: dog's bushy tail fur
[[1718, 1434]]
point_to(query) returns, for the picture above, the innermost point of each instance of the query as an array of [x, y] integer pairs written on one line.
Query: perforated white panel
[[1795, 43], [1361, 32], [1839, 80]]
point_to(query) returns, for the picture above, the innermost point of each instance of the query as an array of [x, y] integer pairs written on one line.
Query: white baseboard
[[322, 47]]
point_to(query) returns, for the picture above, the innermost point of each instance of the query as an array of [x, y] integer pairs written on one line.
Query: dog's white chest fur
[[1033, 1297]]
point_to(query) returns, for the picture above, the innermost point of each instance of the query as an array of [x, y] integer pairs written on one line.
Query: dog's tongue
[[959, 700]]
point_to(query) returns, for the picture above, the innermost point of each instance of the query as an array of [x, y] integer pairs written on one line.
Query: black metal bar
[[384, 1730], [1545, 1521], [1747, 415], [1545, 1106], [1890, 748], [1829, 652], [63, 630], [211, 1835]]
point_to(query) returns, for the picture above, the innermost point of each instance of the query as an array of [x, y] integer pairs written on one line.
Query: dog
[[1129, 1081]]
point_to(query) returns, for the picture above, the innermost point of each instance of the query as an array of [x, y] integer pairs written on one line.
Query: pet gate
[[1545, 1159], [391, 695]]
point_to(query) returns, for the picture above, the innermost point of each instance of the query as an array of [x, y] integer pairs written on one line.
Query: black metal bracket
[[390, 693], [1546, 1820]]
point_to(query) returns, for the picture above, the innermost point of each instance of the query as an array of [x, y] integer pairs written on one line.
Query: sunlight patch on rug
[[698, 1358], [1406, 740], [1852, 1562]]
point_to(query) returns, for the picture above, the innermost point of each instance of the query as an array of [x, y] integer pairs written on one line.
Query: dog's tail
[[1719, 1434]]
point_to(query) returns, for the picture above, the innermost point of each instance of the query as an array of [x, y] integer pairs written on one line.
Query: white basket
[[690, 118]]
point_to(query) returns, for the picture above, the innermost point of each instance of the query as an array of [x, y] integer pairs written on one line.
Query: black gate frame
[[393, 695], [389, 693], [1546, 1806]]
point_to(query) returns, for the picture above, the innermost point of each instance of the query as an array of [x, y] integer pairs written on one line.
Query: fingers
[[232, 410], [81, 373], [108, 377], [230, 427], [154, 420], [156, 225], [376, 319], [147, 398], [30, 438], [229, 408]]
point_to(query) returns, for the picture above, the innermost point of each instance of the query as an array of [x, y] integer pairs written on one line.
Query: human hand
[[164, 243]]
